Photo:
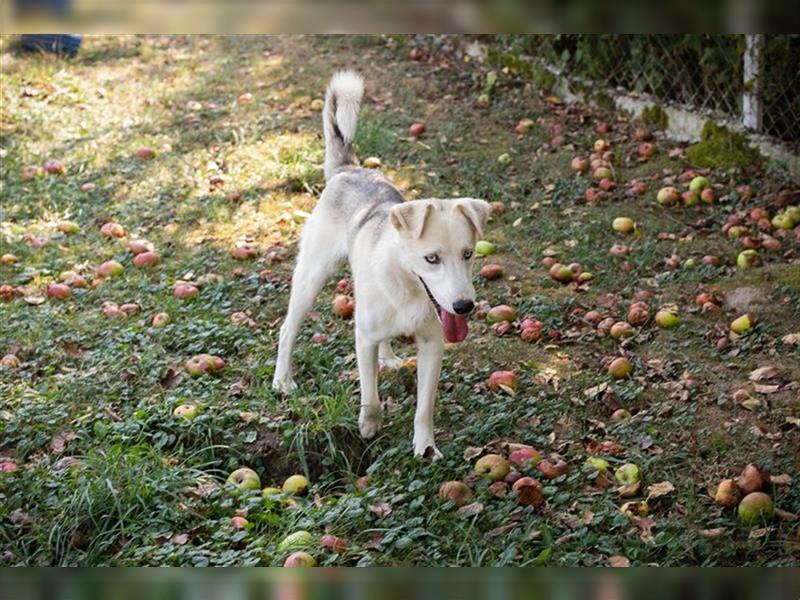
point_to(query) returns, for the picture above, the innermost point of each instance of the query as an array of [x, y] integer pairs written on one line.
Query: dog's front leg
[[429, 366], [371, 415]]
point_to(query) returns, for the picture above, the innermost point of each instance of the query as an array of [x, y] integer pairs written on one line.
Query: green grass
[[107, 476]]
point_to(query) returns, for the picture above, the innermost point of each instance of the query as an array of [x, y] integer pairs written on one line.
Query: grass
[[107, 476]]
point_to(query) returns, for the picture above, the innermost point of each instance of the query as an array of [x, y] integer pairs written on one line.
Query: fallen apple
[[297, 485], [627, 474], [204, 363], [185, 411], [161, 319], [503, 380], [492, 466], [601, 145], [748, 259], [553, 467], [332, 543], [690, 198], [59, 291], [10, 361], [112, 229], [145, 153], [484, 248], [711, 260], [667, 319], [602, 173], [244, 479], [416, 129], [560, 273], [743, 324], [620, 368], [752, 479], [708, 196], [529, 491], [296, 541], [244, 252], [270, 492], [8, 259], [783, 221], [71, 227], [635, 508], [185, 290], [638, 314], [523, 125], [54, 167], [456, 492], [699, 183], [599, 464], [646, 149], [668, 196], [502, 312], [491, 271], [343, 306], [238, 522], [638, 188], [756, 508], [371, 162], [299, 559], [504, 159], [727, 494], [110, 268], [147, 259], [525, 458], [579, 164], [621, 329], [623, 225], [140, 247]]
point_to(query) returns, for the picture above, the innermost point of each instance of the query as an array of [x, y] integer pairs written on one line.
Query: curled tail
[[339, 119]]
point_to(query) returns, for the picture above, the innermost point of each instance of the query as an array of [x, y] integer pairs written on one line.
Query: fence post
[[753, 78]]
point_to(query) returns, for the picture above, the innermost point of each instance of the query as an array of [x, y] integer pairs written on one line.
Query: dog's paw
[[284, 385], [427, 449], [369, 421]]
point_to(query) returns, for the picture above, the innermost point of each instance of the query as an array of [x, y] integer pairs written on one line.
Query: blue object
[[58, 43]]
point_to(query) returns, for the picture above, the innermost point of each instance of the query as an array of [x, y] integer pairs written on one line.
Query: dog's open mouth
[[454, 326]]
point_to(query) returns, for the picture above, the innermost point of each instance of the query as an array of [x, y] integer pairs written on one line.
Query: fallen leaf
[[60, 441], [384, 509], [751, 404], [785, 515], [765, 372], [472, 451], [757, 534], [660, 489], [712, 534], [627, 491], [792, 339], [470, 510], [645, 525], [34, 300], [180, 539], [618, 561], [766, 389], [171, 378], [782, 479]]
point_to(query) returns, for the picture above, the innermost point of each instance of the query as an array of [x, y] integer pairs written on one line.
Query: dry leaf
[[782, 479], [765, 372], [645, 525], [751, 403], [792, 339], [627, 491], [384, 509], [618, 561], [180, 539], [785, 515], [34, 300], [660, 489], [766, 389], [712, 534], [757, 534], [60, 441], [470, 510], [472, 451]]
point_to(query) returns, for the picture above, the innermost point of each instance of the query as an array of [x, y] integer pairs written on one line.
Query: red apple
[[456, 492], [140, 246], [184, 290], [620, 368], [333, 544], [54, 167], [525, 458], [147, 259], [501, 312], [58, 290], [553, 467], [145, 153], [110, 268], [579, 164], [343, 306], [503, 380], [529, 491], [112, 230], [416, 129], [491, 271]]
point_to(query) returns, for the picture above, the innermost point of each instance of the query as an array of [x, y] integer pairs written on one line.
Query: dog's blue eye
[[467, 254], [433, 259]]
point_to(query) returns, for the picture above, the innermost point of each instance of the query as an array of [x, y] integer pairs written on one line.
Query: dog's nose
[[462, 307]]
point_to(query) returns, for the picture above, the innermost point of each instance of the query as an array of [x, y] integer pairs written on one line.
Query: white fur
[[387, 260]]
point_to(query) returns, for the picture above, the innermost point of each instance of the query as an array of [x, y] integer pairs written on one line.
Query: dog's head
[[438, 246]]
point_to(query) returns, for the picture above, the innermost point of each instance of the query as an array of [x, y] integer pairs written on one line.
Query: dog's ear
[[409, 217], [476, 211]]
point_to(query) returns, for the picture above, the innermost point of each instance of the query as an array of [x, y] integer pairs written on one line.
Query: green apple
[[296, 485], [627, 474], [600, 464], [185, 411], [756, 508], [623, 225], [666, 319], [748, 259], [742, 324], [699, 183], [484, 248], [492, 466], [244, 479], [296, 541]]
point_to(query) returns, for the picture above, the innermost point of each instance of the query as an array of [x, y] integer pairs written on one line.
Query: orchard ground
[[98, 470]]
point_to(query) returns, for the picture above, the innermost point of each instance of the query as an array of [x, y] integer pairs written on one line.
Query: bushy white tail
[[339, 119]]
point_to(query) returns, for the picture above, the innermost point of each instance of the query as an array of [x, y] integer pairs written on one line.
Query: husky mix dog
[[410, 261]]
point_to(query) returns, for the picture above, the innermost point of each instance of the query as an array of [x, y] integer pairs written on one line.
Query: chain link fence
[[703, 73]]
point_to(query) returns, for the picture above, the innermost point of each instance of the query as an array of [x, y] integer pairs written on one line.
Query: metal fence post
[[753, 84]]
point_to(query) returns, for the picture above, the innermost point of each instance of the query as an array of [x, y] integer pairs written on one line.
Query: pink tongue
[[454, 326]]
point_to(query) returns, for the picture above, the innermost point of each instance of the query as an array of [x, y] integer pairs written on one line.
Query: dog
[[411, 264]]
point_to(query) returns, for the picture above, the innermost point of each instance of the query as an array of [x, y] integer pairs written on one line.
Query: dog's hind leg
[[386, 356], [370, 417], [319, 257]]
